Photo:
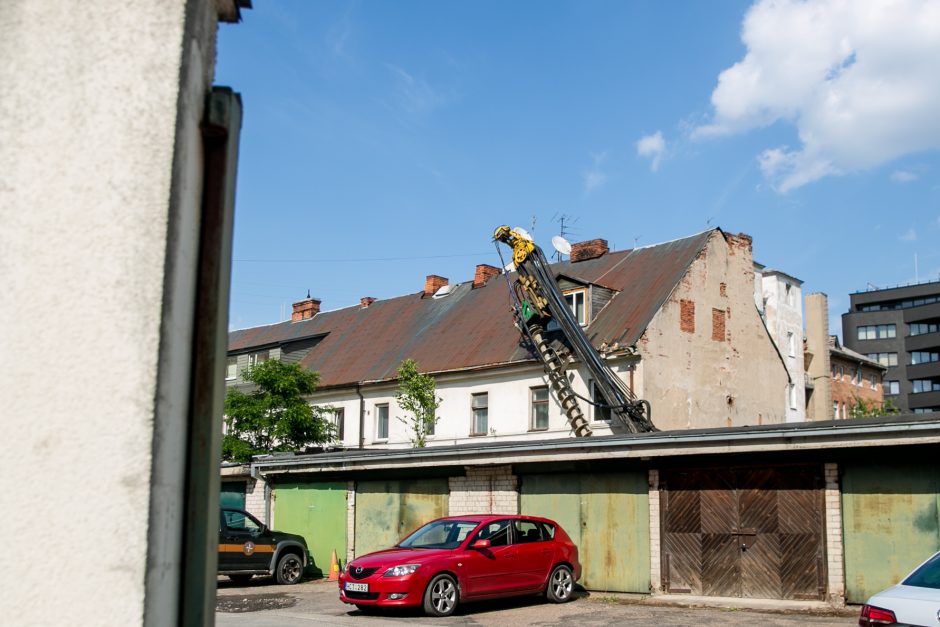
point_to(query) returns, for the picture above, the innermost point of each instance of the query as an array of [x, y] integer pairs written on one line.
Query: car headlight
[[401, 570]]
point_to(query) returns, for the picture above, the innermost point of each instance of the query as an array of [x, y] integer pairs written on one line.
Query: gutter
[[802, 436]]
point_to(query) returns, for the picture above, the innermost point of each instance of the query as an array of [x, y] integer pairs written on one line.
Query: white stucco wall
[[508, 403], [784, 315], [96, 271]]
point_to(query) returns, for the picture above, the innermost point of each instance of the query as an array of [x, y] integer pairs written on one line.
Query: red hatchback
[[465, 558]]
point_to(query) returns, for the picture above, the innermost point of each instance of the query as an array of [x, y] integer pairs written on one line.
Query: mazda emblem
[[358, 570]]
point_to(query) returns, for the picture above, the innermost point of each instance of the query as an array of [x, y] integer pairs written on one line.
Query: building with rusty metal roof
[[677, 321]]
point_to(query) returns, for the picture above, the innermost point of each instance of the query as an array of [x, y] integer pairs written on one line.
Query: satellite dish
[[521, 232], [561, 245]]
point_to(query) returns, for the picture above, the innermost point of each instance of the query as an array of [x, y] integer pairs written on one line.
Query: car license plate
[[357, 587]]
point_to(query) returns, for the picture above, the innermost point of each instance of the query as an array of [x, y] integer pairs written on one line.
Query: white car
[[914, 601]]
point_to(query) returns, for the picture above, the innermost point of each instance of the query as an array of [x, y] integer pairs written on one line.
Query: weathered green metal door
[[317, 511], [386, 511], [232, 494], [607, 516], [890, 523]]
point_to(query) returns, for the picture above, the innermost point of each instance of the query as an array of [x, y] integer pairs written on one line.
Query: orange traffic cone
[[334, 567]]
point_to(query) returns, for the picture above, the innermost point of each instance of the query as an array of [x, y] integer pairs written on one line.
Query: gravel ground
[[316, 602]]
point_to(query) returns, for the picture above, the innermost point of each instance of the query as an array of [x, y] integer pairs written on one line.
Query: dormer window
[[576, 302], [256, 358]]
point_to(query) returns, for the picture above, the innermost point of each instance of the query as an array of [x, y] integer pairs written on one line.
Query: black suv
[[247, 548]]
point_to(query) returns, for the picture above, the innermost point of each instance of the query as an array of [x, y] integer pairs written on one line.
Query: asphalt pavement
[[316, 602]]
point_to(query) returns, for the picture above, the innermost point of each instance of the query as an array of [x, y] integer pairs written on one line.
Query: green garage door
[[607, 516], [317, 511], [388, 510], [890, 523]]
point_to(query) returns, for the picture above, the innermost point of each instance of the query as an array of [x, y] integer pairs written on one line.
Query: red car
[[465, 558]]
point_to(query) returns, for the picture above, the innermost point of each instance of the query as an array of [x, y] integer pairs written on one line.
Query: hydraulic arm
[[537, 302]]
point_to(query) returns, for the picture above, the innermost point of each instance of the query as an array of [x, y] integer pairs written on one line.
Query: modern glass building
[[899, 328]]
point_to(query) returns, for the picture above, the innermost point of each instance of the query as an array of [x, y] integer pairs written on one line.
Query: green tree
[[861, 408], [275, 416], [417, 395]]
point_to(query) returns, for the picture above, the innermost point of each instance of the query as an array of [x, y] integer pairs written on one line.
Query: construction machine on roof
[[537, 301]]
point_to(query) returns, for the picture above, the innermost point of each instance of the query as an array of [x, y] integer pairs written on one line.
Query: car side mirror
[[481, 544]]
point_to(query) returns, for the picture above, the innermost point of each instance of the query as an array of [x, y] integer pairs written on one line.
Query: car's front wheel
[[289, 569], [441, 596], [560, 585]]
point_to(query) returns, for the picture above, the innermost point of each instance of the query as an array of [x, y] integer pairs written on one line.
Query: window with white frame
[[259, 357], [231, 368], [873, 380], [602, 409], [539, 402], [381, 421], [576, 302], [339, 421], [835, 409], [479, 406]]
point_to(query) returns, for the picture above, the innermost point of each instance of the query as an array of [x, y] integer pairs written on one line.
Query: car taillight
[[876, 616]]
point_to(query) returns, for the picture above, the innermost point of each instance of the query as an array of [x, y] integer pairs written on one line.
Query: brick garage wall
[[484, 490], [254, 499], [834, 546], [656, 577]]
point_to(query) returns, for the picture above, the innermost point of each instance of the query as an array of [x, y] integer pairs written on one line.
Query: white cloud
[[858, 80], [652, 147], [595, 177], [903, 176], [909, 236]]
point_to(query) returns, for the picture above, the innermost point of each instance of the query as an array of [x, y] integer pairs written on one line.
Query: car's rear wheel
[[441, 596], [289, 569], [560, 585], [240, 578]]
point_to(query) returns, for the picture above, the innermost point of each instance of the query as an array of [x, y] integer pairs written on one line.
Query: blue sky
[[385, 141]]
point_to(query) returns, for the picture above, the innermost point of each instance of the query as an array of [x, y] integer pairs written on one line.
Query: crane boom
[[538, 301]]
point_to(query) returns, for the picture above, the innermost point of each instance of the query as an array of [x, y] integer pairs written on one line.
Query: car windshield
[[927, 576], [440, 534]]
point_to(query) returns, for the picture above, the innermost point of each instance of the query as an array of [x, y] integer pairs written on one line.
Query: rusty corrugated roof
[[473, 328]]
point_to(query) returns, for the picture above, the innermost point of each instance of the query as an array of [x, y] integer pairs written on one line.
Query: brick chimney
[[365, 302], [590, 249], [305, 309], [483, 274], [433, 283]]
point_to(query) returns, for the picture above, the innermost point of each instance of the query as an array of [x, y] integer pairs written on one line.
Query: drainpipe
[[362, 416], [255, 473]]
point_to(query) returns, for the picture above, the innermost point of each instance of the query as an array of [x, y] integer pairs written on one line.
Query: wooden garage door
[[745, 532]]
